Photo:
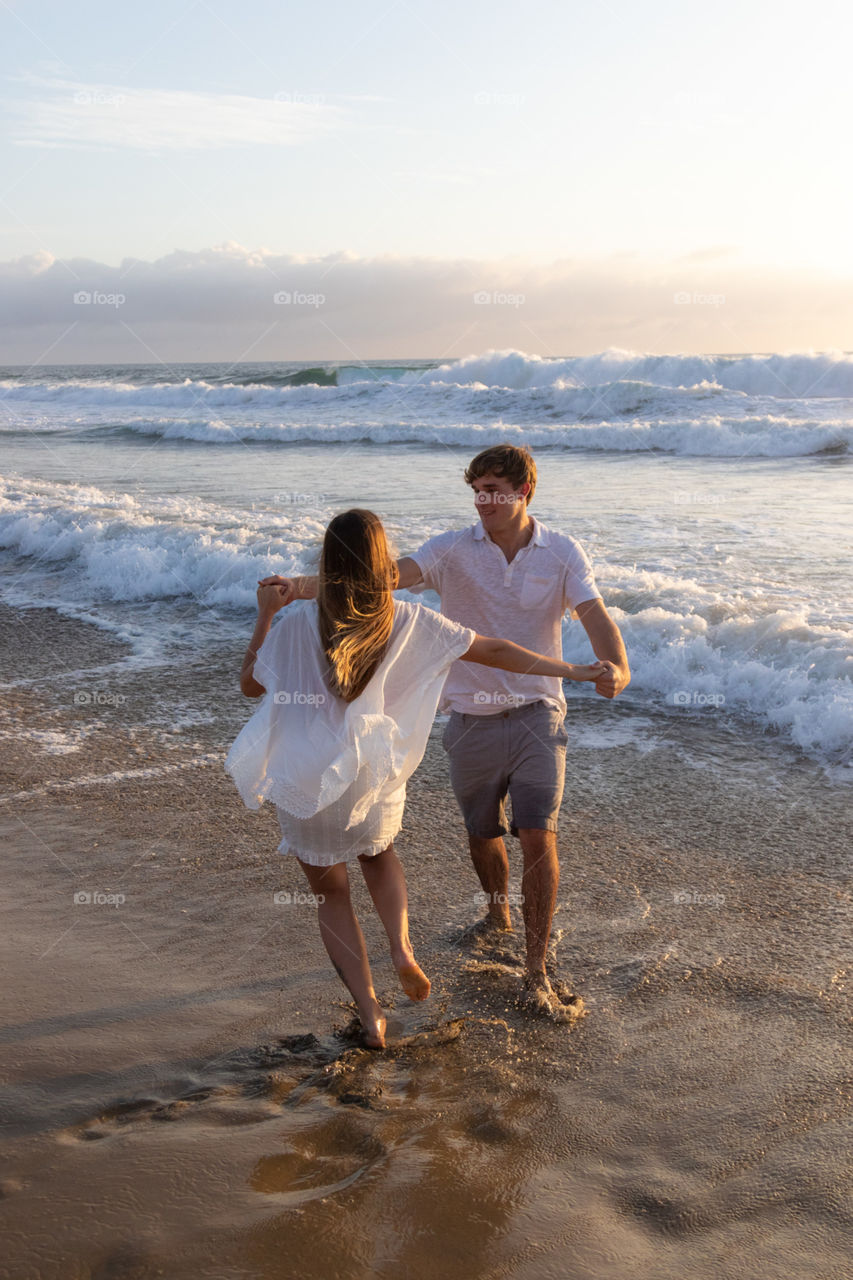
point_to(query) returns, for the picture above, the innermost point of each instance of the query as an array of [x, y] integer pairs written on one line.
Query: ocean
[[711, 492]]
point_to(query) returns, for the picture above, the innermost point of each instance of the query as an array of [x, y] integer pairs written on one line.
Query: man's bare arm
[[305, 587], [410, 573], [607, 645]]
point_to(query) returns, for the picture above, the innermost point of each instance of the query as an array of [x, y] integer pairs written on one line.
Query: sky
[[214, 180]]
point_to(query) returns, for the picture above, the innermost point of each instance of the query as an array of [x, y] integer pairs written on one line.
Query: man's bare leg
[[344, 941], [386, 882], [539, 882], [492, 867]]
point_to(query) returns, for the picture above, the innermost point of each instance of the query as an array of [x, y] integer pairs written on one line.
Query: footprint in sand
[[222, 1105], [263, 1081]]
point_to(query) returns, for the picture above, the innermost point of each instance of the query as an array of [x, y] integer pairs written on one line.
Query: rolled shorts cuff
[[540, 824], [499, 830]]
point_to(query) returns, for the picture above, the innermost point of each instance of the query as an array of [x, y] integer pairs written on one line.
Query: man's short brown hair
[[507, 462]]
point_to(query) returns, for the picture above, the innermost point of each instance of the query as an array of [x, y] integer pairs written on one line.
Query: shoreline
[[702, 913]]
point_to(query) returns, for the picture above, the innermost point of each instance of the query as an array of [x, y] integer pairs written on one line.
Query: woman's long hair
[[356, 608]]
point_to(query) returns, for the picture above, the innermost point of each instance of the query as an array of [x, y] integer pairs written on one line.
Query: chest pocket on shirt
[[536, 589]]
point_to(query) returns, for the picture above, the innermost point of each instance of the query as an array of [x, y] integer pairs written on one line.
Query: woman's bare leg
[[383, 875], [344, 941]]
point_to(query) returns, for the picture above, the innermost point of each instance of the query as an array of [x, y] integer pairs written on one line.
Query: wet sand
[[182, 1095]]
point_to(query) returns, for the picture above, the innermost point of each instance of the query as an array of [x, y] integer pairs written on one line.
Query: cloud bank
[[228, 302]]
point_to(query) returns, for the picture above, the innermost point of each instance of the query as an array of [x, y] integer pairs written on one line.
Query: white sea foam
[[55, 742], [776, 668], [117, 776], [805, 374], [119, 549], [708, 437], [699, 646], [712, 632], [718, 406]]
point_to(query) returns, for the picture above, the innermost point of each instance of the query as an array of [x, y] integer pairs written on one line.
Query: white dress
[[337, 770]]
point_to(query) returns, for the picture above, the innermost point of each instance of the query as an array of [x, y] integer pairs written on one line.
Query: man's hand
[[607, 645], [612, 680]]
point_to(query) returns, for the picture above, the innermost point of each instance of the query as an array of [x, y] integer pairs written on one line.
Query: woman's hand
[[299, 588], [592, 671], [271, 598]]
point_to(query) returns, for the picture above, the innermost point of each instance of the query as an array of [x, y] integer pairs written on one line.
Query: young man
[[509, 576]]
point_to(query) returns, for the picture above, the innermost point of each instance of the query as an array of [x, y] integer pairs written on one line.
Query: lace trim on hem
[[331, 859]]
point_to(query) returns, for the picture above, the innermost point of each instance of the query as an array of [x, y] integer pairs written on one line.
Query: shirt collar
[[539, 539]]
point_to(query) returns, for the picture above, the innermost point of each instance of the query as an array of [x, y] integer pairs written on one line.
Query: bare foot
[[373, 1029], [413, 980], [566, 996], [538, 996]]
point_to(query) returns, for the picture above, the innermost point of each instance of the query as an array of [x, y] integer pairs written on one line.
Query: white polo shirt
[[523, 600]]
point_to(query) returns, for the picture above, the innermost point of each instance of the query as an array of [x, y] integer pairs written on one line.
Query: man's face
[[498, 504]]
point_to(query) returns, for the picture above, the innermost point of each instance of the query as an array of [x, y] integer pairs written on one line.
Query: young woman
[[352, 681]]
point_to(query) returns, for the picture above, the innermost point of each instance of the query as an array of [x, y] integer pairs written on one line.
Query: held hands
[[609, 679], [594, 671], [279, 590], [299, 588], [271, 598]]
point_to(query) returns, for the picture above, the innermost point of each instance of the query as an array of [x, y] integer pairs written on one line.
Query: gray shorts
[[521, 752]]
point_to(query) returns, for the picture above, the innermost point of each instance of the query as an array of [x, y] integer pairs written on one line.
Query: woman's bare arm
[[490, 651], [269, 602]]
